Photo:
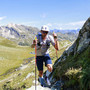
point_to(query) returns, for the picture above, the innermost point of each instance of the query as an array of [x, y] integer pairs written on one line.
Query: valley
[[17, 63]]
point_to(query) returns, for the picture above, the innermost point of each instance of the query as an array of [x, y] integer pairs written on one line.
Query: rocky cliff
[[71, 71]]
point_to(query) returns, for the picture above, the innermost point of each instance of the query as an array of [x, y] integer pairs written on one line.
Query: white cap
[[44, 28]]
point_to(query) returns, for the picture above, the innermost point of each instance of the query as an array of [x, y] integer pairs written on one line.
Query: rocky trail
[[39, 87]]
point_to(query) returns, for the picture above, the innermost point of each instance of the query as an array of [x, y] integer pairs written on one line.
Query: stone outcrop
[[82, 42], [78, 47]]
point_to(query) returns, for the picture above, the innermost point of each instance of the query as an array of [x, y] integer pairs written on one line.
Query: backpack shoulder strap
[[39, 38], [49, 37]]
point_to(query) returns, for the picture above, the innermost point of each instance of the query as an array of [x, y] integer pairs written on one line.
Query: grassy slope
[[12, 56], [75, 70], [63, 45]]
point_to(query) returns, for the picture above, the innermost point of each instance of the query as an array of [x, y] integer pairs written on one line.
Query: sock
[[47, 80], [47, 73]]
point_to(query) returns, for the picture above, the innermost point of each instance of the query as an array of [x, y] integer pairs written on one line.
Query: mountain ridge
[[23, 35], [20, 34], [65, 31]]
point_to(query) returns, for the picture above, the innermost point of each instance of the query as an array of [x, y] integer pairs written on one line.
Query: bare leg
[[49, 67], [40, 73]]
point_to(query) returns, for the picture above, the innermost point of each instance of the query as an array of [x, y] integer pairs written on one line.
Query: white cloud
[[64, 26], [1, 18], [76, 23], [72, 25]]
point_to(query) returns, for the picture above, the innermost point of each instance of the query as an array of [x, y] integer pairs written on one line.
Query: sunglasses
[[45, 32]]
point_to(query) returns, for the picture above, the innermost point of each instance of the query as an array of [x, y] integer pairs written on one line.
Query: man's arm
[[56, 46]]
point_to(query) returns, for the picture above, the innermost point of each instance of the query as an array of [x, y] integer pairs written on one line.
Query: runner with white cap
[[43, 44]]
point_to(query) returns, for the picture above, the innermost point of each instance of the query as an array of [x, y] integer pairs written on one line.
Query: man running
[[43, 44]]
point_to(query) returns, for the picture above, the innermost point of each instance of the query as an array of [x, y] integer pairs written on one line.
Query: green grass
[[12, 56], [63, 45], [6, 42], [76, 70], [17, 81]]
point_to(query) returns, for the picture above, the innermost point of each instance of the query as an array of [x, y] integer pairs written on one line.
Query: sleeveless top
[[44, 45]]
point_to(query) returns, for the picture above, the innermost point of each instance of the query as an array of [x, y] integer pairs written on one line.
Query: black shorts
[[40, 59]]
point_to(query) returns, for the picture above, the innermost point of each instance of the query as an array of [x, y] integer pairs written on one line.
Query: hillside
[[70, 35], [6, 42], [20, 34], [67, 36], [23, 35], [72, 70], [17, 64], [12, 58]]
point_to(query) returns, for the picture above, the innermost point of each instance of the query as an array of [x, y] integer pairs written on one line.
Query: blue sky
[[57, 14]]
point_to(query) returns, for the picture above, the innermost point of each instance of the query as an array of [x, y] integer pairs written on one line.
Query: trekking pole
[[35, 65], [56, 54], [57, 58], [55, 47]]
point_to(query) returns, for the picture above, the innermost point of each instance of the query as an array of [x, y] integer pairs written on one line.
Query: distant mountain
[[70, 35], [20, 34], [65, 31], [23, 35]]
